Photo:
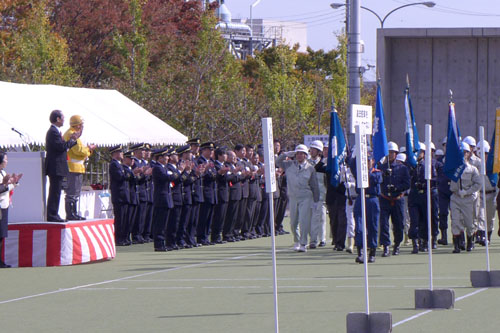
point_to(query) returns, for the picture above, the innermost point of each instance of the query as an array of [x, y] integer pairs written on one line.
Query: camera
[[388, 172], [391, 188]]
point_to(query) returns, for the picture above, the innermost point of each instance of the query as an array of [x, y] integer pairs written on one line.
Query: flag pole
[[428, 176], [483, 177]]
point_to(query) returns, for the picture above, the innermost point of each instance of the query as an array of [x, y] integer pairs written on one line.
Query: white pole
[[362, 180], [273, 249], [483, 177], [428, 176]]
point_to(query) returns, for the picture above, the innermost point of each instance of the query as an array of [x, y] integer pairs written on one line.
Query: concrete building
[[465, 60], [285, 32]]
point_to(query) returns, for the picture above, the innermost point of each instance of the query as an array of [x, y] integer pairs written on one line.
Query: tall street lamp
[[429, 4]]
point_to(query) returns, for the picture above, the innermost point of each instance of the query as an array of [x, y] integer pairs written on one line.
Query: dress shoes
[[188, 246], [219, 241], [4, 265], [56, 219], [321, 244], [161, 249]]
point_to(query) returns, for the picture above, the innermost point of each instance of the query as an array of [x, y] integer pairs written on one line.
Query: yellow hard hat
[[75, 120]]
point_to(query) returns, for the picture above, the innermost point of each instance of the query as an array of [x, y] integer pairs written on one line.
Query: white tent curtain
[[110, 117]]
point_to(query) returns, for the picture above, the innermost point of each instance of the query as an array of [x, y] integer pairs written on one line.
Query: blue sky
[[324, 22]]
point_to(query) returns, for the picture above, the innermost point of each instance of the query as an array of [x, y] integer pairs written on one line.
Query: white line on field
[[128, 277], [296, 279], [429, 311], [362, 286]]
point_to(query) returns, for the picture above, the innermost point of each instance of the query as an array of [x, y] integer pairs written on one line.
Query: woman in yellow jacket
[[77, 156]]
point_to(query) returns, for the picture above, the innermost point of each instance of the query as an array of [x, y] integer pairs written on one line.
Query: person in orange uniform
[[77, 156]]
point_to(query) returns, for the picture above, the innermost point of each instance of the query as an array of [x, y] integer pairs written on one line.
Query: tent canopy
[[110, 117]]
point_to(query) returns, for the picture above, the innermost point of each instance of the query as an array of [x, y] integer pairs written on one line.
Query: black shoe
[[470, 243], [229, 239], [359, 258], [395, 250], [462, 241], [415, 246], [161, 249], [219, 241], [321, 244], [371, 256], [340, 248], [188, 246], [386, 252], [4, 265], [434, 243], [122, 243], [456, 243], [197, 245], [56, 219], [312, 246]]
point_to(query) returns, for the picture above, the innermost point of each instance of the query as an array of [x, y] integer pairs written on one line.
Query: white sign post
[[361, 115], [483, 177], [362, 183], [270, 174], [428, 177]]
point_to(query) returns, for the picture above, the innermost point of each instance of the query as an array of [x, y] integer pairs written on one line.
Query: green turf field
[[228, 288]]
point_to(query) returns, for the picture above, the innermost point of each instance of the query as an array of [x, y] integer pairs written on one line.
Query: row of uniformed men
[[398, 191], [191, 195]]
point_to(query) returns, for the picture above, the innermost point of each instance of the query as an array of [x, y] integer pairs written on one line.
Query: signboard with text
[[361, 115]]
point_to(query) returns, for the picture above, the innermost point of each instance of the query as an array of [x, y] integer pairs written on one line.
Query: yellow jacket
[[77, 154]]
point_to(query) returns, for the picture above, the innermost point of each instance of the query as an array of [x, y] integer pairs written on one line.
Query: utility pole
[[354, 53]]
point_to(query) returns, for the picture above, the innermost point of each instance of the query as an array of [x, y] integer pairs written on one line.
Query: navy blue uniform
[[175, 213], [372, 211], [140, 211], [220, 208], [197, 195], [162, 200], [444, 195], [396, 180], [417, 203], [132, 204], [120, 197], [148, 219], [235, 196], [209, 201], [188, 178]]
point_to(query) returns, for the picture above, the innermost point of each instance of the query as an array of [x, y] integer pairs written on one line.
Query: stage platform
[[38, 244]]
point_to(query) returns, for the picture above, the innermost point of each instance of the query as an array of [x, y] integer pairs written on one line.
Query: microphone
[[21, 134]]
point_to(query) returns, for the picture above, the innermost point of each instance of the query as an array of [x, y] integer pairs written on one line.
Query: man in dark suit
[[209, 193], [56, 164], [120, 194]]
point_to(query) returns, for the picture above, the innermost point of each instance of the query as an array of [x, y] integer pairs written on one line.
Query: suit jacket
[[120, 192], [253, 188], [198, 185], [222, 184], [245, 182], [176, 184], [141, 181], [235, 188], [209, 185], [189, 178], [162, 196], [56, 161], [132, 186]]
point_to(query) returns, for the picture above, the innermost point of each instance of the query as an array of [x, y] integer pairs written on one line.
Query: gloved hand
[[462, 193]]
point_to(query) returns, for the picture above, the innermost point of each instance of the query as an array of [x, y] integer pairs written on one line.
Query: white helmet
[[317, 144], [465, 146], [302, 148], [486, 146], [402, 149], [439, 152], [445, 139], [392, 146], [470, 141], [433, 147], [422, 145], [401, 157]]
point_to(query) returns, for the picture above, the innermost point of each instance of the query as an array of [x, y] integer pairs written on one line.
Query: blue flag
[[493, 177], [412, 144], [454, 164], [336, 148], [379, 138]]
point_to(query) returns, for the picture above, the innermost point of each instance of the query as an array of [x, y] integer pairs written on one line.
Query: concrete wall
[[465, 60]]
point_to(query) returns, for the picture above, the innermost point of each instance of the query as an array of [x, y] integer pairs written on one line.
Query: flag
[[493, 177], [412, 145], [379, 137], [454, 163], [336, 148]]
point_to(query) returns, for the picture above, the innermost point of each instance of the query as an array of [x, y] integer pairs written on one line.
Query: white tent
[[110, 117]]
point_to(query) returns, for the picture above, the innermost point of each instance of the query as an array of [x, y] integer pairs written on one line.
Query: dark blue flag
[[493, 177], [454, 164], [336, 148], [379, 137], [412, 144]]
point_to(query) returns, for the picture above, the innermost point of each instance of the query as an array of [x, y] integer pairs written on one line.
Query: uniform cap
[[183, 149], [439, 152], [317, 144], [115, 149], [128, 154], [75, 120], [470, 141], [208, 145], [445, 139], [401, 157], [170, 151], [137, 146], [160, 151], [433, 147], [147, 146], [193, 141], [465, 146], [302, 148], [392, 146]]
